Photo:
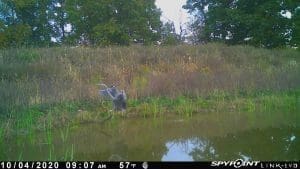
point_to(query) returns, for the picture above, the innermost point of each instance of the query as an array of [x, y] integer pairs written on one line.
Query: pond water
[[202, 137]]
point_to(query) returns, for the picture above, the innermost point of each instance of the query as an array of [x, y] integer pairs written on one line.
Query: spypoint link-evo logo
[[236, 164]]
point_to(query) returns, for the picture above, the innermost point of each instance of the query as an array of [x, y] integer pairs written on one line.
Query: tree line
[[263, 23], [93, 22]]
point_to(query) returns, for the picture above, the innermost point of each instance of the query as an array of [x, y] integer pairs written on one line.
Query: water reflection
[[178, 151], [204, 137], [194, 149], [249, 145]]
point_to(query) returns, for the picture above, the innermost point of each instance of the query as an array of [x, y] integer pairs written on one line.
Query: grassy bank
[[55, 88], [75, 113], [46, 87], [47, 125]]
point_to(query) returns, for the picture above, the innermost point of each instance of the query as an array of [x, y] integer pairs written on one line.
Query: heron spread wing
[[103, 93], [114, 91], [102, 84], [110, 94], [106, 93], [117, 96]]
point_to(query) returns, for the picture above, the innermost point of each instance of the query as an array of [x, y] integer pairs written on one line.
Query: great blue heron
[[118, 97]]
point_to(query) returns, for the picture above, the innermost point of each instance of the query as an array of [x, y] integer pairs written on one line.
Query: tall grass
[[53, 75], [45, 87]]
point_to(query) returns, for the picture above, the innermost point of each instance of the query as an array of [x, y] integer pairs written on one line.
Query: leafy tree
[[18, 34], [26, 22], [105, 22], [109, 33], [59, 17], [140, 19], [254, 22], [168, 33], [295, 30], [3, 38], [109, 22]]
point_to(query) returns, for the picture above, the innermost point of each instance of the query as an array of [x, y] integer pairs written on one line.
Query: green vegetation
[[55, 88], [268, 23], [48, 92], [56, 22], [256, 22]]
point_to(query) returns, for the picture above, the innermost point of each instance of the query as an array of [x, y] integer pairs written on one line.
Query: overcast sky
[[172, 10]]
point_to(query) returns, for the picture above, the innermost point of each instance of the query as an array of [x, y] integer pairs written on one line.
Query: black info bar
[[147, 165]]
